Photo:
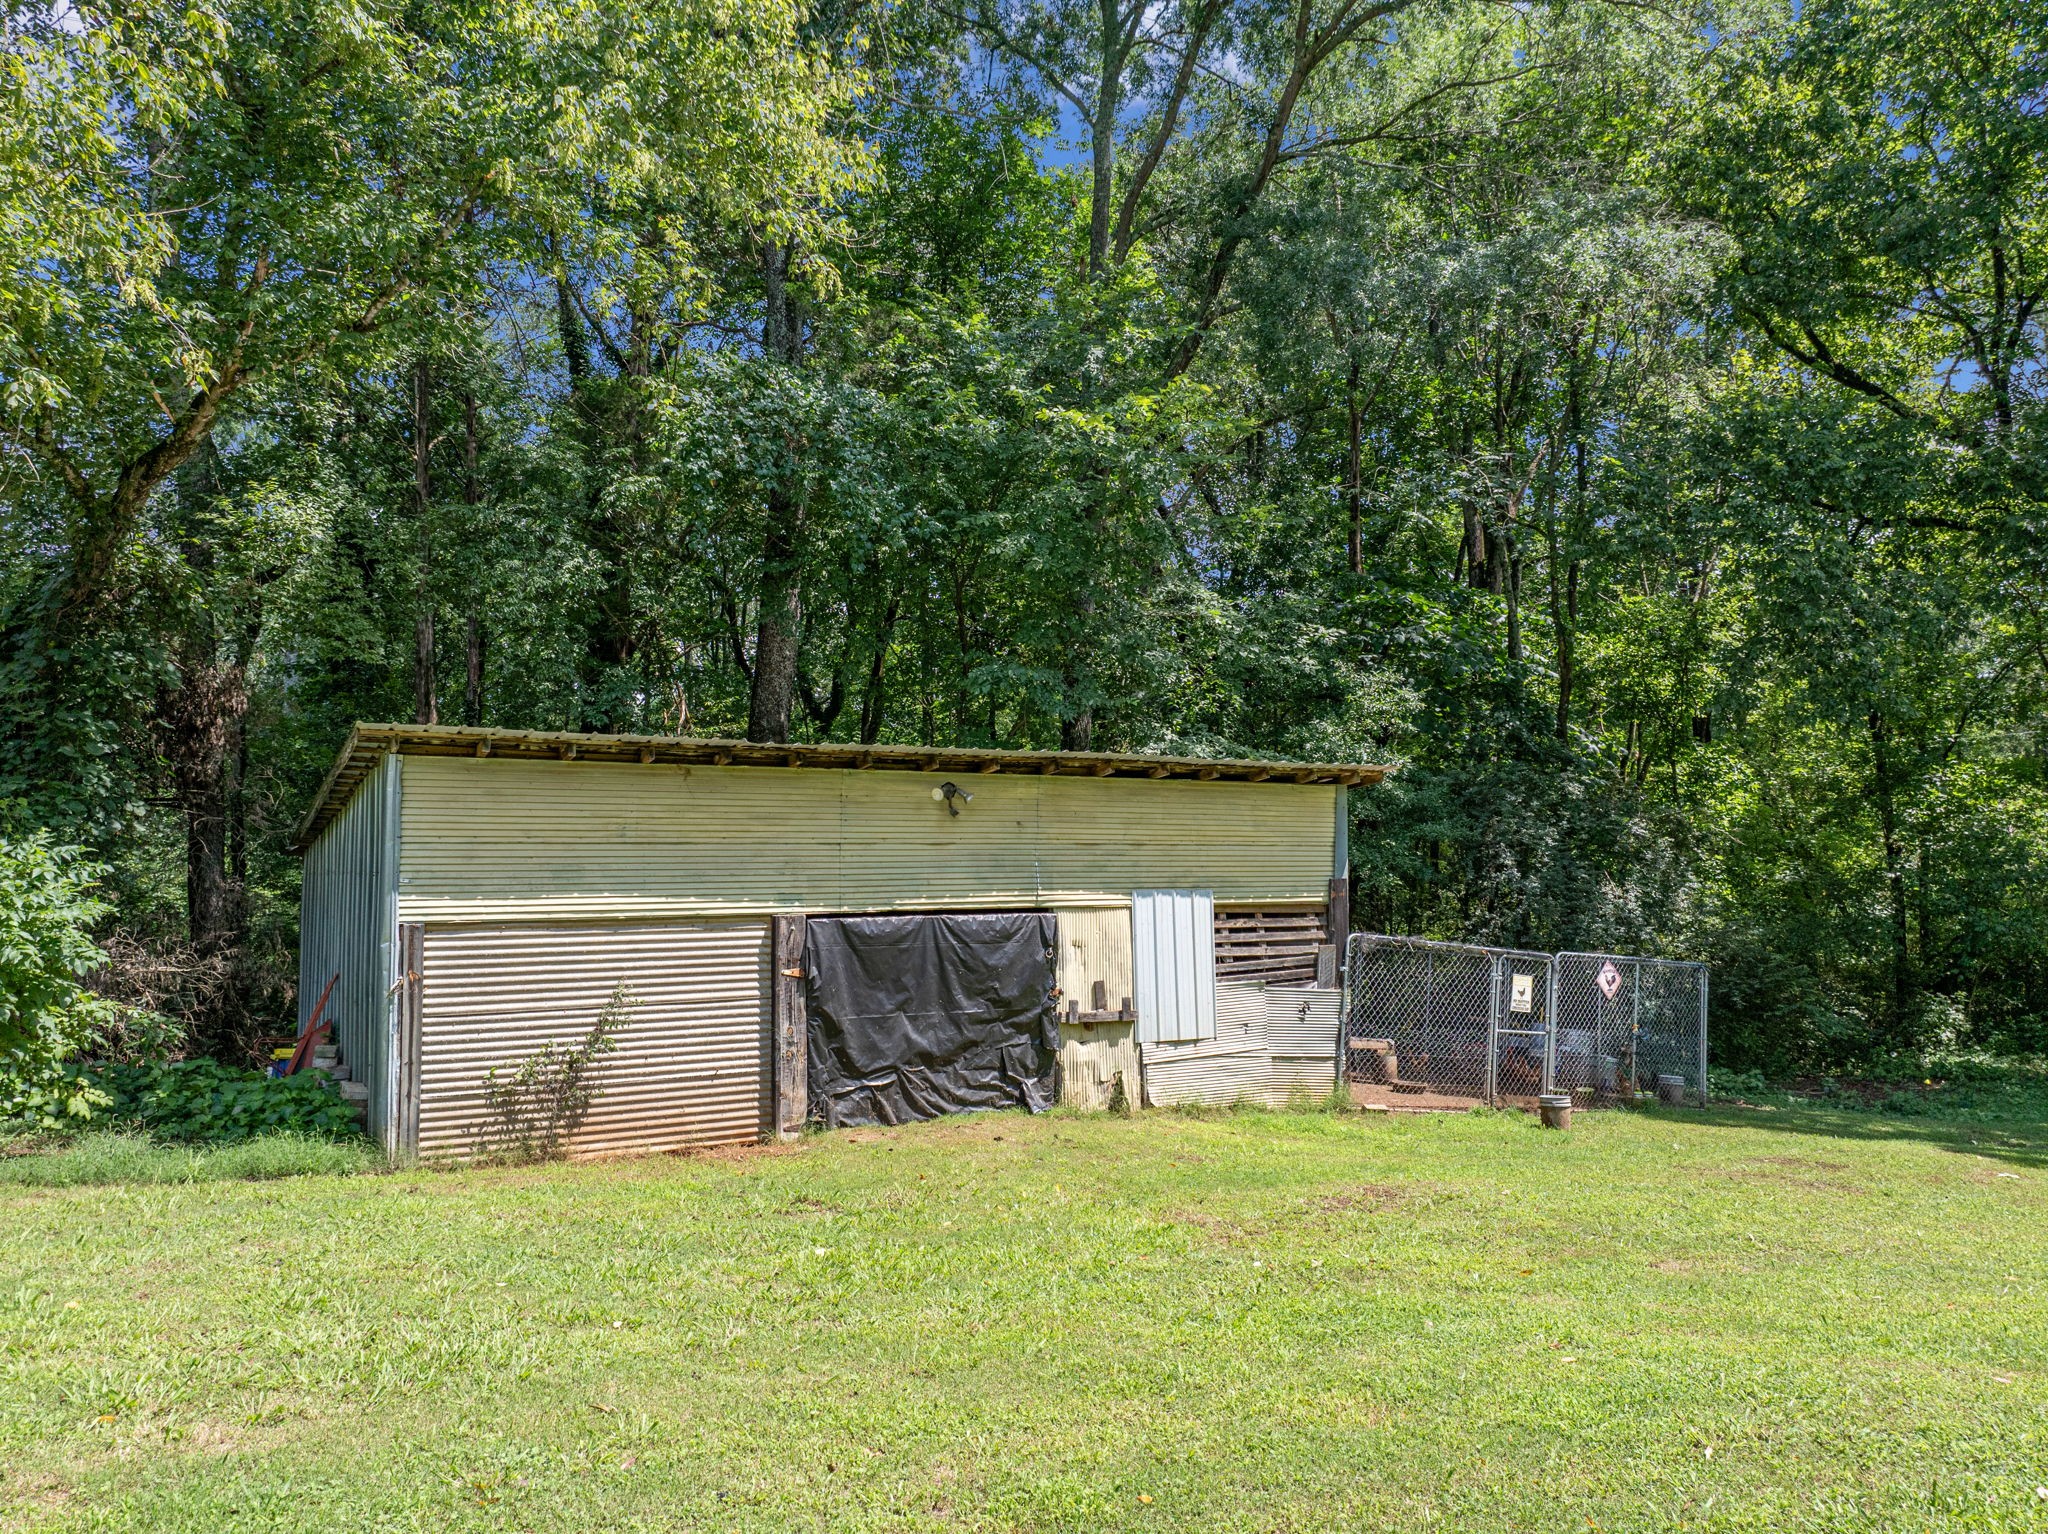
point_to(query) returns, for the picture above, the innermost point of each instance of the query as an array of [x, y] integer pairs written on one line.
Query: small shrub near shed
[[205, 1102]]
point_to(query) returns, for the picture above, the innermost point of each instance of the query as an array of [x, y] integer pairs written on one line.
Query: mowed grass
[[1250, 1321]]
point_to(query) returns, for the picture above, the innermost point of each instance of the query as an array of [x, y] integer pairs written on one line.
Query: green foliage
[[47, 912], [105, 1158], [205, 1102], [1625, 423], [1962, 1089]]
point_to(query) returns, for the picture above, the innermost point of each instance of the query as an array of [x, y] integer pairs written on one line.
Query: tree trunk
[[1566, 624], [871, 697], [473, 671], [472, 628], [1513, 562], [779, 622], [1354, 488], [425, 708], [1884, 791]]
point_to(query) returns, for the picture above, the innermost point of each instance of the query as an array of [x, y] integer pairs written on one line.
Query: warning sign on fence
[[1522, 995], [1609, 980]]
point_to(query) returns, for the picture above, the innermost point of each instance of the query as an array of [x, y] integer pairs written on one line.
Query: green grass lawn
[[1732, 1320]]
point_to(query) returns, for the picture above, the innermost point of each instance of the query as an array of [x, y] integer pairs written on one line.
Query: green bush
[[47, 910], [205, 1101], [112, 1156]]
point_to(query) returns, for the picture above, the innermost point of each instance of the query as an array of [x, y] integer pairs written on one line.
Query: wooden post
[[1340, 922], [791, 1028], [412, 964]]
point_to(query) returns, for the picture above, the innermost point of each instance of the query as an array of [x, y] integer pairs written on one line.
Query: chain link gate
[[1520, 1049], [1627, 1026], [1438, 1023]]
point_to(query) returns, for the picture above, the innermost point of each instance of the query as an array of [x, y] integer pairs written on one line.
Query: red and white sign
[[1609, 980]]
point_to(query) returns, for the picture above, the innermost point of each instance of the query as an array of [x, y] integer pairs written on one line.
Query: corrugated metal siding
[[1095, 944], [347, 927], [1173, 964], [1090, 1059], [1272, 1043], [691, 1067], [493, 841]]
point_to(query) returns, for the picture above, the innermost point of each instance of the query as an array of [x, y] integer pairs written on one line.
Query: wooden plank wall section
[[1278, 947], [792, 1029]]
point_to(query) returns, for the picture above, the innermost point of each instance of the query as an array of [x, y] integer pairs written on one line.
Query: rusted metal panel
[[492, 841], [1091, 1058], [692, 1066], [348, 932], [1095, 950]]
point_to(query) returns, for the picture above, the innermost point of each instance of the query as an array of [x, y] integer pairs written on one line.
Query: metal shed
[[482, 893]]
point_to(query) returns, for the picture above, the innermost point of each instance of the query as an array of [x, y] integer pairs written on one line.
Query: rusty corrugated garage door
[[691, 1066]]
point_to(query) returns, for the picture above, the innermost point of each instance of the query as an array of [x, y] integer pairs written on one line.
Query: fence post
[[1635, 1021], [1703, 1035], [1493, 1036], [1550, 1024]]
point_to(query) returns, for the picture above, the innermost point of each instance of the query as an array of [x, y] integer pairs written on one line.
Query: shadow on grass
[[2018, 1142]]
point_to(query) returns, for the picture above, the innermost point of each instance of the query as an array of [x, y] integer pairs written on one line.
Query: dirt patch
[[803, 1206], [1797, 1172], [1326, 1209], [1222, 1231], [1368, 1198]]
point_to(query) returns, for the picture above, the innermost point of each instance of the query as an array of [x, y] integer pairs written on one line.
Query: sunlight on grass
[[1192, 1321], [111, 1156]]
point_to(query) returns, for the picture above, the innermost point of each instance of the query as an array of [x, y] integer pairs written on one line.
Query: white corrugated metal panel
[[1303, 1021], [692, 1064], [1240, 1008], [1218, 1073], [347, 926], [490, 840], [1173, 964], [1272, 1044]]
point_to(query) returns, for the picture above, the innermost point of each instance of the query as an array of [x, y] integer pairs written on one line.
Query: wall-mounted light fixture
[[954, 796]]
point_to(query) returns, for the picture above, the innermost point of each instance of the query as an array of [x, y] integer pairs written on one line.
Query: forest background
[[1627, 419]]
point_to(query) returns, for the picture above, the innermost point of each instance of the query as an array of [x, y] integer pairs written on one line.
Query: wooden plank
[[791, 1027]]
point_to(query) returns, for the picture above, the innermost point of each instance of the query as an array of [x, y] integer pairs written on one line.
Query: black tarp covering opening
[[915, 1016]]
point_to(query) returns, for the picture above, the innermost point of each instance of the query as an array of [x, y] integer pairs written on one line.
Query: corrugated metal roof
[[369, 742]]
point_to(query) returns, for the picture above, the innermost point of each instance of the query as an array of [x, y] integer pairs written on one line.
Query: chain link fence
[[1441, 1022], [1628, 1026], [1419, 1017]]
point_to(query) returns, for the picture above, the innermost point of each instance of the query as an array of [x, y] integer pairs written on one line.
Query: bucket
[[1671, 1091], [1556, 1108]]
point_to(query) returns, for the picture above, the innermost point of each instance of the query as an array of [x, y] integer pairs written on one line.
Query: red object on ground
[[314, 1030]]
